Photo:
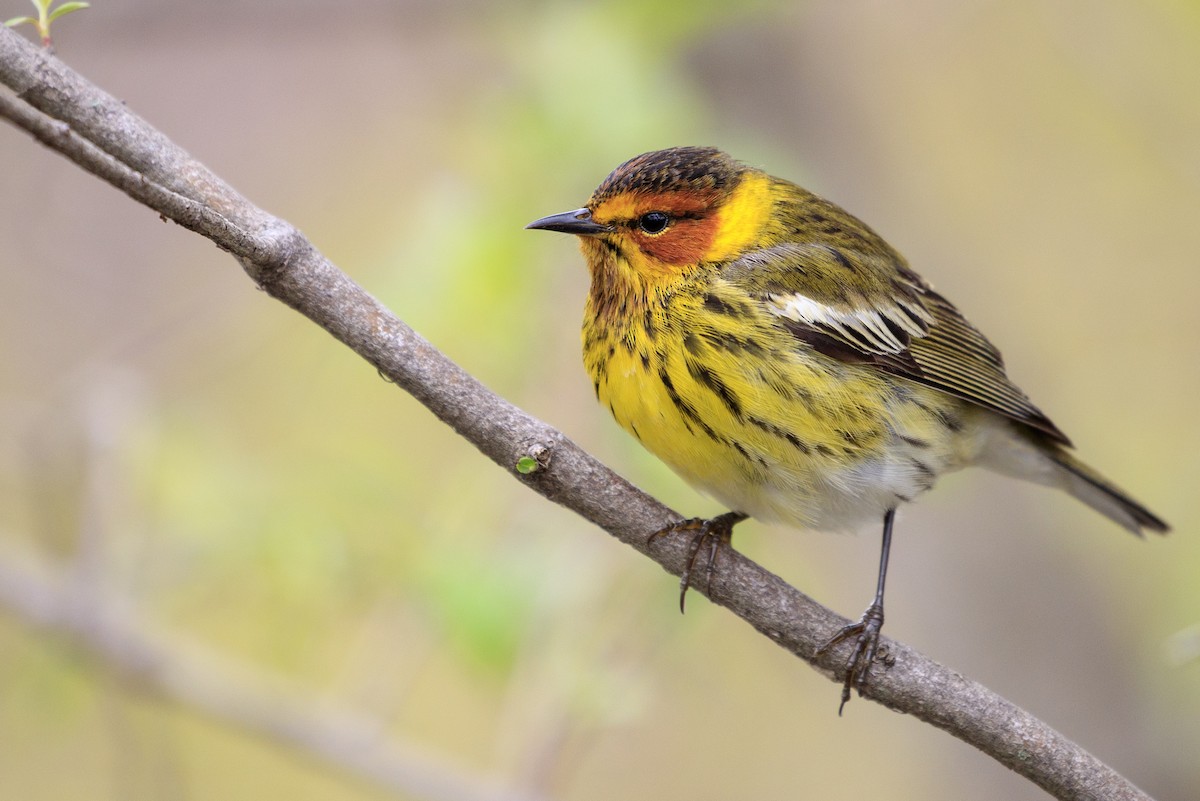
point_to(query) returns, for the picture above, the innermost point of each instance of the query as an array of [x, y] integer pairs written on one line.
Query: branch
[[188, 673], [97, 132]]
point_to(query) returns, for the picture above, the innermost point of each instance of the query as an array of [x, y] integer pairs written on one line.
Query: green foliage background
[[254, 487]]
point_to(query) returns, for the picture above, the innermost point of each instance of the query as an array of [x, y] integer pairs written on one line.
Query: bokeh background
[[340, 585]]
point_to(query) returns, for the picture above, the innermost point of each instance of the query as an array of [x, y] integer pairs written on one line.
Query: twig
[[187, 673], [70, 115]]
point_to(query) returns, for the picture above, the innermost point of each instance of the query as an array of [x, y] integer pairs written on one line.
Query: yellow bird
[[781, 357]]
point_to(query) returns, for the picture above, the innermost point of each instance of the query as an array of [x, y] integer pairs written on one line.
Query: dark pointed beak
[[578, 222]]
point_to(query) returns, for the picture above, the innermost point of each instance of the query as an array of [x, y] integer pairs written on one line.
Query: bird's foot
[[866, 645], [714, 533]]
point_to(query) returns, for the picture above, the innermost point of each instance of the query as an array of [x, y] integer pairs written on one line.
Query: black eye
[[653, 222]]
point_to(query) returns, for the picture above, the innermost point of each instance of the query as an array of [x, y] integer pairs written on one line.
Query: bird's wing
[[870, 308]]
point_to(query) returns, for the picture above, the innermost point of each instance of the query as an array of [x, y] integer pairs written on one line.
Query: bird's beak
[[577, 222]]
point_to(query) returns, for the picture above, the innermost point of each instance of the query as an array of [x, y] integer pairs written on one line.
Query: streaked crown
[[700, 170]]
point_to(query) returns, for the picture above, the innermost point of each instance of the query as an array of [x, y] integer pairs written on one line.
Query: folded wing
[[870, 308]]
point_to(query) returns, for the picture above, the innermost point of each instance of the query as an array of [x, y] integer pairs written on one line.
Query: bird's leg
[[717, 532], [866, 630]]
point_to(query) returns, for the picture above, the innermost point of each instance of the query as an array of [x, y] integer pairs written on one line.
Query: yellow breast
[[744, 413]]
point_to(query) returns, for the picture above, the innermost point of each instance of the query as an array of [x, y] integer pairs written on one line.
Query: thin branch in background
[[69, 115], [187, 673]]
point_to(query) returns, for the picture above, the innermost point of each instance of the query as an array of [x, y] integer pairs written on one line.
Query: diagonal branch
[[73, 117]]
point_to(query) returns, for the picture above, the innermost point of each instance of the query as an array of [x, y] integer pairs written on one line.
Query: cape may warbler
[[781, 357]]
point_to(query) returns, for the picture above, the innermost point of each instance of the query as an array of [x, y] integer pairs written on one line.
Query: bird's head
[[661, 213]]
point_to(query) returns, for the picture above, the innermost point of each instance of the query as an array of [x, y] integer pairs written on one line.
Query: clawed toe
[[716, 533], [866, 645]]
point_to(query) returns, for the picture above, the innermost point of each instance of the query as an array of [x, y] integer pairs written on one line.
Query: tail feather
[[1024, 453], [1102, 495]]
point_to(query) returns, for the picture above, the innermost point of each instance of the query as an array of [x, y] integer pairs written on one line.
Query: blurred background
[[285, 579]]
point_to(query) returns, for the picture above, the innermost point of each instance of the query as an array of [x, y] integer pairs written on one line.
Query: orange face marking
[[688, 237]]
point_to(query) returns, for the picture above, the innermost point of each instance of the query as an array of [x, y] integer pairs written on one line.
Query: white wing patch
[[874, 306], [868, 328]]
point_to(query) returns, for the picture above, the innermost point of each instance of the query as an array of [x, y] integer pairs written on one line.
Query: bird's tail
[[1020, 452], [1102, 495]]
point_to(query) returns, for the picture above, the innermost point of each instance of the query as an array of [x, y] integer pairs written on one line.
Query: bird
[[781, 357]]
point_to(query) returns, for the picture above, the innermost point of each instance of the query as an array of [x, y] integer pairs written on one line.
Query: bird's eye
[[653, 222]]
